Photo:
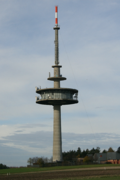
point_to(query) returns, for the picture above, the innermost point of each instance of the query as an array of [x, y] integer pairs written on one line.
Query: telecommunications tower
[[57, 97]]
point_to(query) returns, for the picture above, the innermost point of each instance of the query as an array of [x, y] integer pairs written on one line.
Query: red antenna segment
[[56, 15]]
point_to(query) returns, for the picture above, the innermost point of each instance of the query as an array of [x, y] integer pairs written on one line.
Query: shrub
[[3, 166]]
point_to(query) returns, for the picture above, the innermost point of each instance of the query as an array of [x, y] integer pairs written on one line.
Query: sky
[[89, 52]]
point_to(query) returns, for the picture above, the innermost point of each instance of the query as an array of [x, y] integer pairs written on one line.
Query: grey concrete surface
[[57, 139]]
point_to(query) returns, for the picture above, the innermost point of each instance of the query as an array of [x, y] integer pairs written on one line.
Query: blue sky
[[89, 42]]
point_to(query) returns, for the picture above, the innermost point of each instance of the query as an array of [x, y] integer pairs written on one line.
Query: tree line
[[39, 161], [70, 155], [2, 166]]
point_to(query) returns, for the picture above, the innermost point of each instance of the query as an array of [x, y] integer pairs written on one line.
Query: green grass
[[23, 170]]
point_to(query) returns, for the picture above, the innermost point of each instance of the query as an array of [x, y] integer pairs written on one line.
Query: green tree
[[78, 156], [118, 150], [29, 161], [92, 151], [87, 151], [2, 166], [40, 162], [84, 153], [110, 149], [86, 159], [104, 151], [78, 151], [98, 150]]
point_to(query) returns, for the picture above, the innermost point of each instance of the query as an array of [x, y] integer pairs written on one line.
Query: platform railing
[[59, 96]]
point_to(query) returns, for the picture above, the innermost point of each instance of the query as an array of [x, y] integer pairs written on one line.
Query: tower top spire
[[56, 15], [56, 28]]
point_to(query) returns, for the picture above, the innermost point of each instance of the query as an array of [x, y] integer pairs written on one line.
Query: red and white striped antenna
[[56, 15]]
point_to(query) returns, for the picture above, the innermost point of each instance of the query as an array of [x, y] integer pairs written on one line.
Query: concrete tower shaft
[[56, 45], [57, 139], [57, 74], [56, 68]]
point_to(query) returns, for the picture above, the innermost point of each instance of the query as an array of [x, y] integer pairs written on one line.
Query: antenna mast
[[56, 28]]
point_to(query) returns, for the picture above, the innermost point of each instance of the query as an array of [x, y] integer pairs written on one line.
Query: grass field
[[23, 170]]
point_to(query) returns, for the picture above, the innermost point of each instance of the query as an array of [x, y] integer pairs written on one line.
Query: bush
[[86, 159], [3, 166], [108, 163]]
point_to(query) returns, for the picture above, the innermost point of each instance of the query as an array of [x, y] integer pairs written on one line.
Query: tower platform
[[57, 96]]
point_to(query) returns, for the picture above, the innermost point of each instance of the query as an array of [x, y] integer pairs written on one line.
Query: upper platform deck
[[52, 90], [59, 96]]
